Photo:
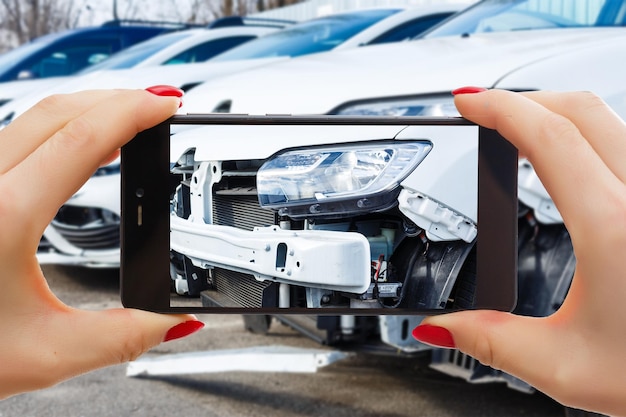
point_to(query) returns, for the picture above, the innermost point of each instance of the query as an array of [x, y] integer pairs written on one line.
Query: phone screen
[[324, 215]]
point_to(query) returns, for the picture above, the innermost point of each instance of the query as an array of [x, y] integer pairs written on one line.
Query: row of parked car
[[367, 62], [47, 61]]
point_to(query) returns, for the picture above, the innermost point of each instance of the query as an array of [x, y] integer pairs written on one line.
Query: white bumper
[[91, 260], [61, 252], [311, 258]]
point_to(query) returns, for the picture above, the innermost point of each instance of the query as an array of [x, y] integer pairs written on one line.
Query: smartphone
[[321, 215]]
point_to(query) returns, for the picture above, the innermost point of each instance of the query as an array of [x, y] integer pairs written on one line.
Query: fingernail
[[183, 329], [434, 335], [468, 90], [167, 91]]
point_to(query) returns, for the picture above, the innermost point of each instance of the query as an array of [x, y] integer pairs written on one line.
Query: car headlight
[[430, 105], [338, 180]]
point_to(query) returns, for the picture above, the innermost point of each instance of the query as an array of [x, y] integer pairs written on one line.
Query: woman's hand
[[45, 157], [577, 145]]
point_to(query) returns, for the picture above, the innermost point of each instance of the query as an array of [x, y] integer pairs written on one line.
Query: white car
[[85, 232], [413, 78], [417, 77]]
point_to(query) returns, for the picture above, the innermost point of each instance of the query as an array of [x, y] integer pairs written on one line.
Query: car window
[[410, 29], [67, 52], [65, 59], [207, 50], [8, 59], [129, 57], [516, 15], [317, 35]]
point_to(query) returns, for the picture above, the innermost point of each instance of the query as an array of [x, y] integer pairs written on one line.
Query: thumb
[[120, 335], [501, 340], [70, 342]]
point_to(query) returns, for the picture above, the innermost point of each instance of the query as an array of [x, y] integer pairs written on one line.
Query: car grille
[[241, 288], [88, 228], [241, 211], [239, 207]]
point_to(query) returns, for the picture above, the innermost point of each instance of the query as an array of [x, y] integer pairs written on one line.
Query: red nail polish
[[165, 91], [468, 90], [434, 335], [183, 329]]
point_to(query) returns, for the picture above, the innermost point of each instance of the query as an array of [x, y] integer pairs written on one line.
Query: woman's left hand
[[45, 157]]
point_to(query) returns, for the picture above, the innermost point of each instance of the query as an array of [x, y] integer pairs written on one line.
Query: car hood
[[321, 82]]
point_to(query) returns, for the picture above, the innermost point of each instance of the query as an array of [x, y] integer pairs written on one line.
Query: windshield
[[10, 58], [514, 15], [129, 57], [308, 37]]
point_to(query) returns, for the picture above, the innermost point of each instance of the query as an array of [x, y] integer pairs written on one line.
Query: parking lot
[[363, 385]]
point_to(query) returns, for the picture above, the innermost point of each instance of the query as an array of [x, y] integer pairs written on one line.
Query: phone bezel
[[145, 248]]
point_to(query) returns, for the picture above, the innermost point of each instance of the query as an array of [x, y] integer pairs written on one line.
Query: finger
[[58, 167], [596, 121], [20, 138], [80, 341], [573, 174]]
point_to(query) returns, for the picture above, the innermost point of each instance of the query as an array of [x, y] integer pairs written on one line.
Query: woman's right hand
[[577, 145]]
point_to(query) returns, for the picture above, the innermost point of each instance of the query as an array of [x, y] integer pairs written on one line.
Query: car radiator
[[239, 207]]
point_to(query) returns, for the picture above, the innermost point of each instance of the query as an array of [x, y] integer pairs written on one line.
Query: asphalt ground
[[362, 385]]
